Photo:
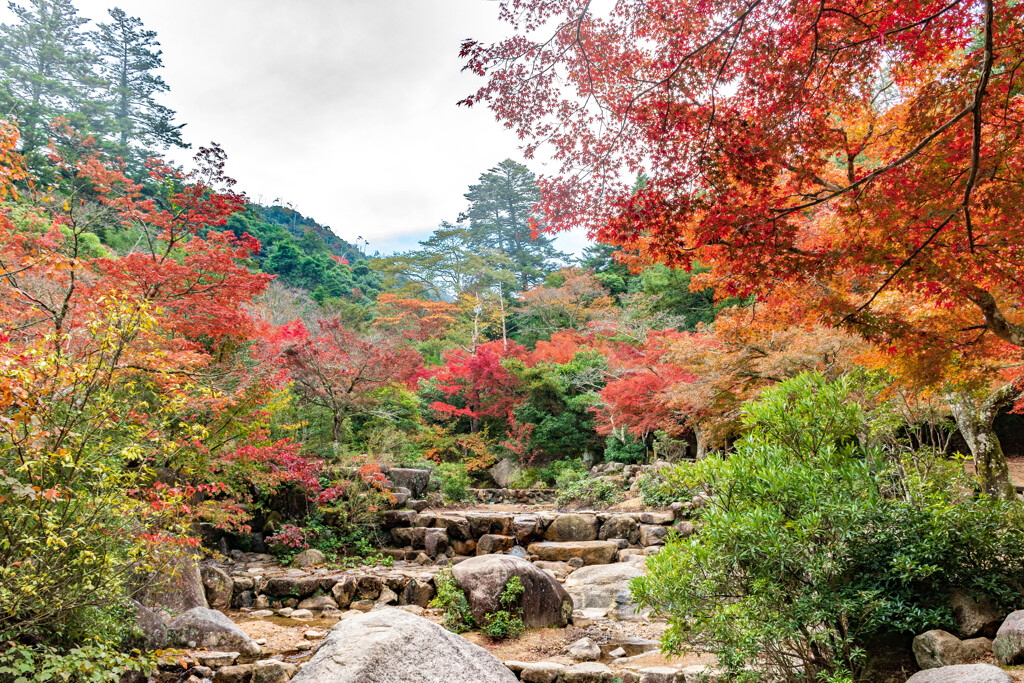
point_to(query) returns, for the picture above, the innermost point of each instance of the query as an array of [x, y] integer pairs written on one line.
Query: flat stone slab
[[591, 552]]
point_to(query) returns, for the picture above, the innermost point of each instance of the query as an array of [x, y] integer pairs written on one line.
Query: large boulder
[[175, 587], [506, 472], [544, 602], [620, 526], [218, 586], [606, 587], [413, 479], [936, 648], [572, 527], [394, 646], [591, 552], [1008, 646], [151, 629], [207, 629], [975, 616], [962, 673]]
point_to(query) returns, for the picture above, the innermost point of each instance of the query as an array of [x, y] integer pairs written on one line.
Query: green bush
[[452, 481], [508, 621], [825, 542], [661, 488], [452, 599], [628, 451], [589, 492], [550, 473]]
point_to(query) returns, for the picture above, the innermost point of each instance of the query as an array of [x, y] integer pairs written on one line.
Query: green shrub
[[507, 622], [661, 488], [628, 451], [550, 473], [597, 491], [825, 541], [452, 599], [452, 481]]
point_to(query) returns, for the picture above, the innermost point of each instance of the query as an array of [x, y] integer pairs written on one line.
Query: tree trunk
[[702, 444], [337, 425], [976, 418]]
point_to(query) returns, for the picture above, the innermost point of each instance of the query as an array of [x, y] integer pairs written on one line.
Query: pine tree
[[46, 70], [499, 217], [130, 55]]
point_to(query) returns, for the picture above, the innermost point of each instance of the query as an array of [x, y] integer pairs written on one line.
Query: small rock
[[515, 666], [362, 605], [541, 672], [652, 534], [936, 648], [698, 673], [261, 613], [286, 611], [302, 614], [387, 597], [962, 673], [589, 672], [661, 674], [617, 652], [241, 673], [309, 558], [585, 650], [216, 660], [303, 646], [272, 671], [320, 602]]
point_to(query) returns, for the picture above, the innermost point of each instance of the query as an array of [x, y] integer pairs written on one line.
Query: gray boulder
[[620, 526], [413, 479], [572, 527], [207, 629], [544, 602], [175, 587], [962, 673], [975, 616], [604, 586], [394, 646], [506, 472], [1008, 646], [218, 586], [309, 558], [585, 650], [151, 627]]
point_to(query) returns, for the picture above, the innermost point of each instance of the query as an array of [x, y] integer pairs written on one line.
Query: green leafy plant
[[627, 450], [452, 481], [828, 540], [507, 622], [452, 599], [589, 492], [661, 488]]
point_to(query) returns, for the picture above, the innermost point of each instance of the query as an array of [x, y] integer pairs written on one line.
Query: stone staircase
[[582, 538]]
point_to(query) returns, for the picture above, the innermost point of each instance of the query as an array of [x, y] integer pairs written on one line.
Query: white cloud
[[344, 109]]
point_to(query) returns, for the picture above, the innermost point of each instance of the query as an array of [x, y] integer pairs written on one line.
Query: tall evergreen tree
[[130, 55], [46, 70], [500, 207]]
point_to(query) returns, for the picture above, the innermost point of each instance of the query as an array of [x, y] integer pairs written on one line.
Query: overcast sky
[[343, 108]]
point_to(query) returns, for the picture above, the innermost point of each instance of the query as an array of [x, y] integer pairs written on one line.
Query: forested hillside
[[772, 394]]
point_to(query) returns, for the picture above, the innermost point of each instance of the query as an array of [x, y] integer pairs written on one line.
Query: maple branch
[[995, 321], [903, 265], [884, 169], [830, 186], [979, 96]]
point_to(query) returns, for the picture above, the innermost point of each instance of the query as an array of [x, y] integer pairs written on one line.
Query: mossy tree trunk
[[975, 417]]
